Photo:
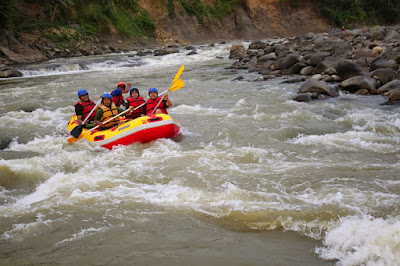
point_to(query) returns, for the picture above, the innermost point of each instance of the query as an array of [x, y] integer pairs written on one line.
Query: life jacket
[[135, 102], [118, 100], [151, 104], [87, 107], [108, 113]]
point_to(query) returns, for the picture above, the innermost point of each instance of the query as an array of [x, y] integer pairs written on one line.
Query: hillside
[[34, 30]]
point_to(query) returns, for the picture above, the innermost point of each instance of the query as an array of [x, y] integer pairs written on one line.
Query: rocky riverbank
[[360, 61]]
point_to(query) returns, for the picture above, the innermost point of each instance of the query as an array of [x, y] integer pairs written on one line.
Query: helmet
[[121, 84], [116, 92], [132, 90], [153, 89], [82, 92], [106, 95]]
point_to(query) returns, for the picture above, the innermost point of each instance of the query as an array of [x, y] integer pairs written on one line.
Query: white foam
[[363, 241]]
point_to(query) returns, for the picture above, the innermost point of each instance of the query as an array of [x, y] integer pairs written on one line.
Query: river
[[255, 178]]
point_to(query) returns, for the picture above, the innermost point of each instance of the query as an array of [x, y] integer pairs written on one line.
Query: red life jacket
[[151, 104], [135, 102], [118, 100], [87, 107]]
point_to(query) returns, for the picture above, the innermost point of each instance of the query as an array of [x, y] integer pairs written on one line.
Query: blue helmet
[[153, 89], [133, 89], [106, 95], [82, 92], [116, 92]]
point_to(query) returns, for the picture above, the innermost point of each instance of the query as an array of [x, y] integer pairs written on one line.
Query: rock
[[393, 36], [392, 85], [346, 69], [314, 86], [10, 73], [384, 75], [237, 51], [257, 45], [376, 36], [192, 53], [165, 51], [308, 70], [238, 78], [330, 71], [359, 82], [317, 58], [293, 80], [362, 92], [394, 95], [286, 62], [294, 69], [364, 52], [378, 50], [302, 97], [328, 62], [383, 63]]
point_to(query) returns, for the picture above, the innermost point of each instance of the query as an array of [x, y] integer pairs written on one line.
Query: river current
[[255, 178]]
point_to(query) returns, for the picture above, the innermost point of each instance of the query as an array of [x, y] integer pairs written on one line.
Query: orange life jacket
[[87, 107], [135, 102], [151, 104], [108, 113]]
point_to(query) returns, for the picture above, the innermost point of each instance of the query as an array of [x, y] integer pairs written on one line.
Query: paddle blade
[[177, 85], [73, 139], [76, 132], [178, 74]]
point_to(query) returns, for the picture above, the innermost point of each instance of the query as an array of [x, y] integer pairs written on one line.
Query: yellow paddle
[[175, 86], [176, 79]]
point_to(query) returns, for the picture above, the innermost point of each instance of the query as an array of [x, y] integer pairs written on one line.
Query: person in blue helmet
[[153, 101], [83, 109], [107, 109]]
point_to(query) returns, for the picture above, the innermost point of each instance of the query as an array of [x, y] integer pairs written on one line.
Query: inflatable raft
[[142, 129]]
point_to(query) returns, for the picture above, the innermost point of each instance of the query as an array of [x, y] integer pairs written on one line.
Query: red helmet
[[121, 84]]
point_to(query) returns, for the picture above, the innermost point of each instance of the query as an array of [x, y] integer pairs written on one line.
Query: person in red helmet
[[117, 97], [152, 102], [135, 100]]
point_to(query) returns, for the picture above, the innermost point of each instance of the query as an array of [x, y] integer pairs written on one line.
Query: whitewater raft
[[142, 129]]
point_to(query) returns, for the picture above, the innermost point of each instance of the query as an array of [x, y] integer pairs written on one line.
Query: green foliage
[[171, 8], [195, 7], [220, 9], [7, 14], [345, 12]]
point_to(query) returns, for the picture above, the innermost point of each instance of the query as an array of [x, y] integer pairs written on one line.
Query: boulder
[[392, 36], [394, 95], [257, 45], [376, 35], [165, 51], [359, 82], [303, 97], [294, 69], [392, 85], [286, 61], [346, 69], [237, 51], [383, 63], [317, 58], [328, 62], [315, 86], [384, 75], [364, 52], [308, 70], [10, 73]]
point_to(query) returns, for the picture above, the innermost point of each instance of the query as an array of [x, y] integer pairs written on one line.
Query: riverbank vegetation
[[345, 13]]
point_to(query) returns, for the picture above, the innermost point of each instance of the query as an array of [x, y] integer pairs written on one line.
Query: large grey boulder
[[359, 82], [384, 75], [315, 86], [346, 70], [392, 85], [237, 51]]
